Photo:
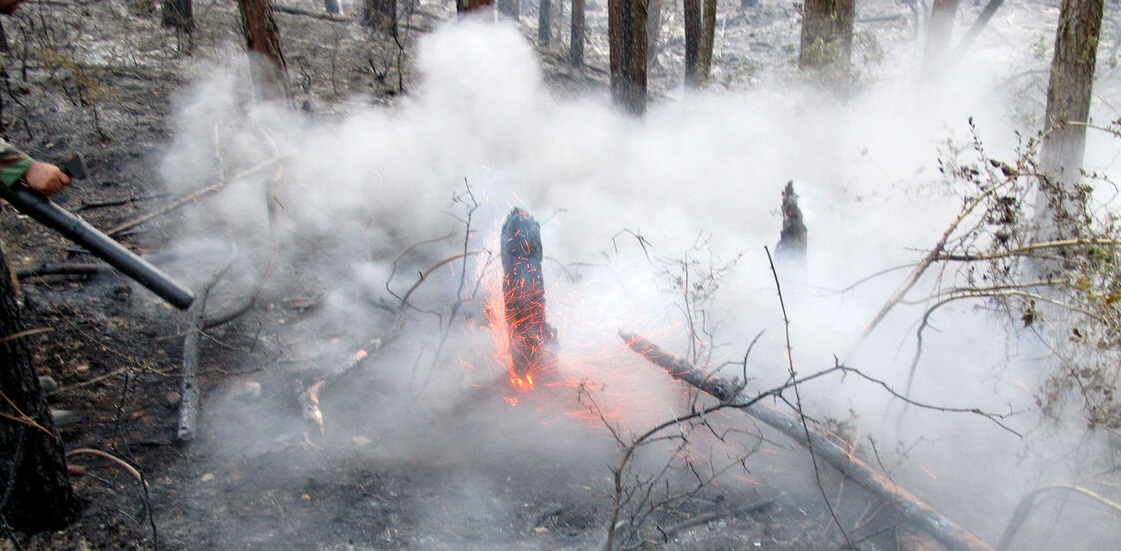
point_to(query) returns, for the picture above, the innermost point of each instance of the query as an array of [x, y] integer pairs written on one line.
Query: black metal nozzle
[[39, 207]]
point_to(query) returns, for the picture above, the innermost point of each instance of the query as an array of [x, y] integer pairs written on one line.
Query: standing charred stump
[[792, 239], [531, 339]]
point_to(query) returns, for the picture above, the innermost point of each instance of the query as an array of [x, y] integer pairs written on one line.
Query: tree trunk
[[35, 493], [381, 15], [179, 15], [627, 37], [938, 33], [576, 44], [544, 23], [531, 339], [265, 56], [1061, 203], [654, 16], [510, 8], [826, 45], [471, 6], [708, 40], [691, 11]]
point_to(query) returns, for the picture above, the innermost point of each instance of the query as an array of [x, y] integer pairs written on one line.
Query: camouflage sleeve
[[13, 163]]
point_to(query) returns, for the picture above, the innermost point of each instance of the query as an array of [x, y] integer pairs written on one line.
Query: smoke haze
[[621, 203]]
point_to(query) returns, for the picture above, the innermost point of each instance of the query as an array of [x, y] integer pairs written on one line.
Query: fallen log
[[908, 507]]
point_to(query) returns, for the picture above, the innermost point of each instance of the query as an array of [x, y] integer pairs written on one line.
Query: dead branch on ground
[[909, 507], [190, 198], [308, 396]]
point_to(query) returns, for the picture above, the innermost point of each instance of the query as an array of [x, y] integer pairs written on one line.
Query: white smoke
[[622, 199]]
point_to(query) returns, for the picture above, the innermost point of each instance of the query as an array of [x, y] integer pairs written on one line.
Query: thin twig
[[116, 460], [798, 400]]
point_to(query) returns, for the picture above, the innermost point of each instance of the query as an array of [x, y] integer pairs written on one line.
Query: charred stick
[[682, 369], [189, 391], [909, 507], [49, 269]]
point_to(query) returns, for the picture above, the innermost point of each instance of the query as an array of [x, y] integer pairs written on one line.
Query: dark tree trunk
[[265, 55], [576, 44], [826, 45], [381, 15], [627, 37], [1062, 202], [938, 34], [35, 493], [179, 15], [700, 29], [472, 6], [544, 23], [691, 11]]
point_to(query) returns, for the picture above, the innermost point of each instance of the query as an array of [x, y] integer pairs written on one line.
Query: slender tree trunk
[[654, 18], [708, 40], [576, 43], [544, 23], [826, 45], [381, 15], [179, 15], [691, 12], [1062, 201], [472, 6], [627, 37], [510, 8], [938, 33], [35, 492], [265, 55], [975, 29]]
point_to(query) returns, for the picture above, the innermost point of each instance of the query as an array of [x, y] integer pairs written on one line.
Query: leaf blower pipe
[[39, 207]]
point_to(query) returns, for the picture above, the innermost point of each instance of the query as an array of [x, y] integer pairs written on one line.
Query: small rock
[[63, 417], [48, 384], [172, 399], [208, 477]]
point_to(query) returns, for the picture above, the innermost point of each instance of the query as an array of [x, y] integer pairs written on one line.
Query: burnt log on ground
[[908, 507], [531, 339]]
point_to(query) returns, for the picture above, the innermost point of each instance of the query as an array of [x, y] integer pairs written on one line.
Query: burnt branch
[[909, 507]]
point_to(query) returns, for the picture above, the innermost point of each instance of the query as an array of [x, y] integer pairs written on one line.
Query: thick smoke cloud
[[622, 202]]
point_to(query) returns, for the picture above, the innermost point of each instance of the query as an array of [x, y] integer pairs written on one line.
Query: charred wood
[[909, 508], [523, 291], [792, 239]]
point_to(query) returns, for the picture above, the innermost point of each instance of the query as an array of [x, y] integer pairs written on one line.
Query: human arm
[[16, 165]]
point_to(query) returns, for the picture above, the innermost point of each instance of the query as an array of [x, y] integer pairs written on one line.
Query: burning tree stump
[[531, 339], [792, 240]]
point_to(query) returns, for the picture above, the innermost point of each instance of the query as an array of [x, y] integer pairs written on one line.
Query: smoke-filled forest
[[551, 275]]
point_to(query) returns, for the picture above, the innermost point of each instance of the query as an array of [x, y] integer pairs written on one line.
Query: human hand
[[46, 178]]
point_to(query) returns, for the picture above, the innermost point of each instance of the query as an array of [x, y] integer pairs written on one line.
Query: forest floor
[[100, 78]]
